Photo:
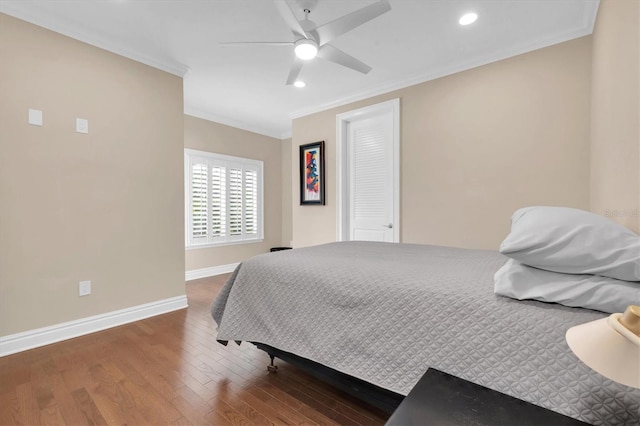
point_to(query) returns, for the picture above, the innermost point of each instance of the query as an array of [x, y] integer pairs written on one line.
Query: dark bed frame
[[376, 396]]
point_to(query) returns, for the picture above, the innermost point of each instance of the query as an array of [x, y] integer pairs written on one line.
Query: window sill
[[226, 243]]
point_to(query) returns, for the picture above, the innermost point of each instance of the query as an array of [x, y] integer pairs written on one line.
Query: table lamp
[[610, 346]]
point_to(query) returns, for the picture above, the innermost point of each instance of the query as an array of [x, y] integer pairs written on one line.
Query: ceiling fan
[[311, 40]]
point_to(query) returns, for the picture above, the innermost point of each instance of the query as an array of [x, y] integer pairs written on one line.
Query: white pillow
[[604, 294], [573, 241]]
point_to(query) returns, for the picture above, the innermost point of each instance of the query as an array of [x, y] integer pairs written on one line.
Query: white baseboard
[[209, 272], [19, 342]]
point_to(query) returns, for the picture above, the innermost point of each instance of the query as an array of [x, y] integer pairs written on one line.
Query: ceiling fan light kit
[[311, 40], [306, 49]]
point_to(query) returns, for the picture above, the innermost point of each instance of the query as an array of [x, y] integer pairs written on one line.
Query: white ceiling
[[244, 86]]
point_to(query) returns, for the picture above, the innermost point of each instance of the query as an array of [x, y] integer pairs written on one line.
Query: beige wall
[[106, 206], [287, 235], [221, 139], [615, 113], [475, 146]]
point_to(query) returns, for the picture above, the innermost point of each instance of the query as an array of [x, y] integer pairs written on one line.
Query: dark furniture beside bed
[[442, 399]]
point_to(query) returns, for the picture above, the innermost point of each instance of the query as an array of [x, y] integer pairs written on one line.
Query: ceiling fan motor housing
[[308, 26]]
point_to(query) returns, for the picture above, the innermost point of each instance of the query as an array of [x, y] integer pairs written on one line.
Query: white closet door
[[371, 177]]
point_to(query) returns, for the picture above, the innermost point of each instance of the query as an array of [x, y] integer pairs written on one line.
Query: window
[[223, 198]]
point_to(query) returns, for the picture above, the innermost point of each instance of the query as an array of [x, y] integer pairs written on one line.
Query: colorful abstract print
[[312, 175]]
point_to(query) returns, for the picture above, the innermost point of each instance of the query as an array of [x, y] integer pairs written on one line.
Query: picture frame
[[312, 173]]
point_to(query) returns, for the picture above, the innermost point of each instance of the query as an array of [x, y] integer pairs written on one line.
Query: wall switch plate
[[82, 125], [84, 288], [35, 117]]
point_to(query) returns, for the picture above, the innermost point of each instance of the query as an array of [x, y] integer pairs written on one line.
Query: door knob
[[388, 226]]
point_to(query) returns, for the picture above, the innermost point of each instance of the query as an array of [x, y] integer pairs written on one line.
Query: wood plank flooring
[[167, 370]]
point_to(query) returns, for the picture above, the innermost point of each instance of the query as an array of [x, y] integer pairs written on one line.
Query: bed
[[383, 313]]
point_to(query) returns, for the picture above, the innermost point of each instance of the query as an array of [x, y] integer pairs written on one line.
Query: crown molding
[[586, 28], [272, 133], [589, 14], [41, 20]]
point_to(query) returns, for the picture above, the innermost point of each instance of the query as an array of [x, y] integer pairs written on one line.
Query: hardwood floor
[[167, 370]]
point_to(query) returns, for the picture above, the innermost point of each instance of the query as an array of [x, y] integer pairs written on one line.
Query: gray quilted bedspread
[[386, 312]]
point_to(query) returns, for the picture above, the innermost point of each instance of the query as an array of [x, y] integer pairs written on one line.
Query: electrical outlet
[[84, 288]]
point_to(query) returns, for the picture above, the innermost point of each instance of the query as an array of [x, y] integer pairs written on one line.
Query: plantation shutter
[[218, 201], [251, 201], [199, 201], [235, 201], [224, 199]]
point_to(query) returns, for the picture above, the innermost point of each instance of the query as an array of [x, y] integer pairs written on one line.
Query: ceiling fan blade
[[290, 18], [335, 28], [295, 70], [336, 55], [261, 43]]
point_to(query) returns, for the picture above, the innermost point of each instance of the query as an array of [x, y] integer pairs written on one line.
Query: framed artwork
[[312, 173]]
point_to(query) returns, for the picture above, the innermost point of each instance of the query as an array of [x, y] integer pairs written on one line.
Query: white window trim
[[257, 165]]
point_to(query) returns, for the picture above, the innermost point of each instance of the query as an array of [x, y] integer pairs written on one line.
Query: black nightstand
[[442, 399]]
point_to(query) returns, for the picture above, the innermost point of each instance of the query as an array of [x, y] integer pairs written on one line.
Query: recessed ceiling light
[[299, 83], [468, 18]]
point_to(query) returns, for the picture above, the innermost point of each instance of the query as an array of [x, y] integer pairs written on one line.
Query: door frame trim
[[342, 165]]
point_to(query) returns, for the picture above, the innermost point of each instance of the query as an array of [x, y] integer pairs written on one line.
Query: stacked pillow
[[572, 257]]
